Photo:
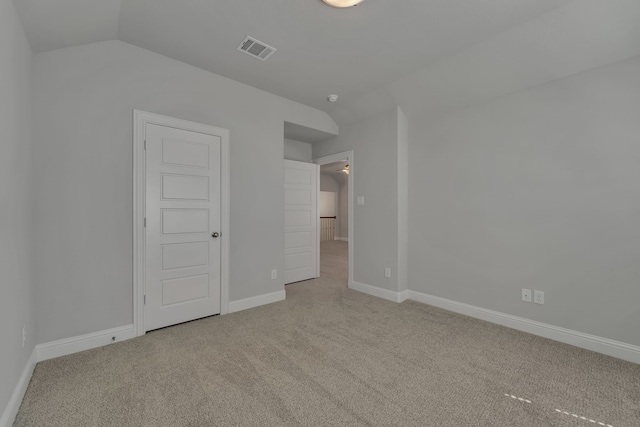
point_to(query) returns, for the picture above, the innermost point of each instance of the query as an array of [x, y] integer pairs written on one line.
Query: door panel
[[300, 221], [184, 187], [180, 221], [185, 289], [298, 261], [182, 255], [297, 197], [297, 218], [182, 211], [185, 153], [297, 239]]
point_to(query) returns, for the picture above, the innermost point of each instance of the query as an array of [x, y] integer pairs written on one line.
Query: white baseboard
[[59, 348], [343, 239], [247, 303], [379, 292], [11, 410], [71, 345], [606, 346]]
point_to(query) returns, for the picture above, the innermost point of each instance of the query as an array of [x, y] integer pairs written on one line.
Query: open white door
[[300, 221], [182, 233]]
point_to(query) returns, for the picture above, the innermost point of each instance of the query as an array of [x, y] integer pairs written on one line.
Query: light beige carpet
[[332, 356]]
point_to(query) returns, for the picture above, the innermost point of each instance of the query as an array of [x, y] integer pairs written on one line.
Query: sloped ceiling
[[55, 24], [425, 56], [334, 170], [579, 36]]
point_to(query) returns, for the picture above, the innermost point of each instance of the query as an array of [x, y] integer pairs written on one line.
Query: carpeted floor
[[332, 356]]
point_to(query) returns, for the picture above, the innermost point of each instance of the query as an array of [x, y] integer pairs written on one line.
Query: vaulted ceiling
[[426, 56]]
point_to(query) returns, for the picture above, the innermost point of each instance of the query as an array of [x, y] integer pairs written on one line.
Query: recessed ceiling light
[[343, 3], [332, 98]]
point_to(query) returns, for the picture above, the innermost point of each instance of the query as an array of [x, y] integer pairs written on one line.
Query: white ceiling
[[423, 55], [581, 35], [54, 24]]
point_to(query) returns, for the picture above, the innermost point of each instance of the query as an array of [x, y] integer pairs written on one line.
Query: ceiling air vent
[[256, 48]]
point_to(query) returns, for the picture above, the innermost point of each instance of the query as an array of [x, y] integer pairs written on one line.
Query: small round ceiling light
[[332, 98], [343, 3]]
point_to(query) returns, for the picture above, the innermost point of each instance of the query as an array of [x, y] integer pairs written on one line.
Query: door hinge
[[145, 222], [145, 144], [144, 300]]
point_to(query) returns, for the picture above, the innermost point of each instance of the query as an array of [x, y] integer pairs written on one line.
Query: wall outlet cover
[[526, 295], [274, 274], [538, 297]]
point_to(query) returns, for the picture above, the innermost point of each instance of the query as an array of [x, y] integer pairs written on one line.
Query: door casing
[[140, 120]]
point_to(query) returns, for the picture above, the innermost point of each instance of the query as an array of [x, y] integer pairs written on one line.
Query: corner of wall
[[17, 246], [403, 201]]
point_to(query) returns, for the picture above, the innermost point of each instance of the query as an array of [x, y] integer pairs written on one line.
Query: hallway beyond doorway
[[334, 261]]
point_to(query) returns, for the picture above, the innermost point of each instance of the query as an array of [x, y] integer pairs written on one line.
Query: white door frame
[[348, 155], [140, 120]]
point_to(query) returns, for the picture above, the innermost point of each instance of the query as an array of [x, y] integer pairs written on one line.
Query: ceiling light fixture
[[343, 3]]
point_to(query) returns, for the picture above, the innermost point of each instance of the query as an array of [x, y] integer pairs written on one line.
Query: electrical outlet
[[360, 200], [526, 295], [387, 273], [538, 297], [24, 334], [274, 274]]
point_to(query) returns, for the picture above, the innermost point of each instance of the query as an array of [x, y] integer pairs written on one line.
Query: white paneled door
[[182, 233], [300, 221]]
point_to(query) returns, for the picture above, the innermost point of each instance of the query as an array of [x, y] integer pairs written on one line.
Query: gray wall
[[83, 110], [375, 234], [541, 190], [327, 183], [297, 150], [17, 298]]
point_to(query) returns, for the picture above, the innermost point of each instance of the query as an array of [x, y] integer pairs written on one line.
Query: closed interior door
[[182, 239], [300, 221]]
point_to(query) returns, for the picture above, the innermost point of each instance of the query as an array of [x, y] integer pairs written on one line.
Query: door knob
[[215, 234]]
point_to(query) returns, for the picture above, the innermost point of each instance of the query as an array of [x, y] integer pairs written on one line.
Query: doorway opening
[[335, 243]]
